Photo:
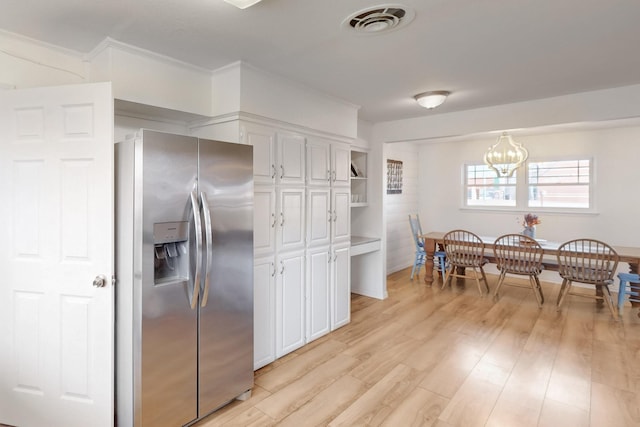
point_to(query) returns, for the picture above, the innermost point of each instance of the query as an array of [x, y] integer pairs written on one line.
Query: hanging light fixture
[[505, 156], [432, 99], [242, 4]]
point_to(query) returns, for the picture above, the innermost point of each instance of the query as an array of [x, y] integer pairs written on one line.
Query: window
[[559, 184], [549, 185], [484, 188]]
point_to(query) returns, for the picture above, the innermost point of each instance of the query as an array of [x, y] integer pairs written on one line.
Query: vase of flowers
[[529, 223]]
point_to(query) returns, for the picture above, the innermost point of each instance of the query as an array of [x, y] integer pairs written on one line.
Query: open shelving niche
[[367, 272], [359, 175]]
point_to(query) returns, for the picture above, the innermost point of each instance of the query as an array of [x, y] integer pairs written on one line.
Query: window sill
[[514, 210]]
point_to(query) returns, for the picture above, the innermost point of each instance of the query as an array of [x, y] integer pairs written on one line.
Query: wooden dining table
[[435, 239]]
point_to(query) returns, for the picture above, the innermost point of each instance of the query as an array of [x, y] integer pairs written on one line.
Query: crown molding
[[39, 43], [135, 50]]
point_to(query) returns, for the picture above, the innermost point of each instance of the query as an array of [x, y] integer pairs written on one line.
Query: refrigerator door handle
[[195, 292], [209, 244]]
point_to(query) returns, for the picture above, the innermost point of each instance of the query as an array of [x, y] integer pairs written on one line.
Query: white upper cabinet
[[328, 163], [278, 157], [318, 162], [264, 162], [290, 168], [340, 164]]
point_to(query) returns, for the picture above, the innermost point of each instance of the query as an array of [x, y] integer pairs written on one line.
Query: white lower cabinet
[[318, 292], [264, 319], [298, 297], [341, 285], [290, 302]]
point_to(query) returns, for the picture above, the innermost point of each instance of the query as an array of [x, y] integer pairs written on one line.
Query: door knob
[[100, 281]]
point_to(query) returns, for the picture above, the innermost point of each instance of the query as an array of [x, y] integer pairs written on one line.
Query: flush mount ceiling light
[[505, 156], [242, 4], [432, 99]]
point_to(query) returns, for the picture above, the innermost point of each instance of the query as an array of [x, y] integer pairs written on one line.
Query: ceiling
[[486, 53]]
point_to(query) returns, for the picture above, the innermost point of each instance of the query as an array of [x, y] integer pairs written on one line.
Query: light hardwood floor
[[426, 357]]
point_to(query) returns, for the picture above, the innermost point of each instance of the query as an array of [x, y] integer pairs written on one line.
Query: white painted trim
[[266, 121], [134, 50], [45, 45]]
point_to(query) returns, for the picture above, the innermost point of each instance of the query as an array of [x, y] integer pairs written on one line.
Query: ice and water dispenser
[[171, 257]]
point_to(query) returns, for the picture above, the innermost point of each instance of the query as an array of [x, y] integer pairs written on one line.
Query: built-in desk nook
[[362, 245], [367, 277]]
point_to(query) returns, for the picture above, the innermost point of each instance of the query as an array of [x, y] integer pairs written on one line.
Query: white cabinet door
[[264, 340], [56, 325], [318, 162], [263, 142], [340, 207], [318, 292], [290, 294], [328, 163], [264, 220], [291, 218], [341, 285], [340, 164], [291, 159], [319, 216]]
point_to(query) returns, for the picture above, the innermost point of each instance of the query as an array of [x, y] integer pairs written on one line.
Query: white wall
[[145, 77], [448, 140], [397, 207], [587, 107], [175, 85], [268, 95], [25, 62], [615, 152]]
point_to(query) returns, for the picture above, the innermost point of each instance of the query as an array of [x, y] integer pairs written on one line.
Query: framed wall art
[[394, 176]]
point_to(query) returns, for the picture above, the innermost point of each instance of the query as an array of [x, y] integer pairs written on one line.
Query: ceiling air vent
[[378, 19]]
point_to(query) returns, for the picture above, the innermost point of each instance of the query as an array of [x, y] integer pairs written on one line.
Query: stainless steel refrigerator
[[184, 278]]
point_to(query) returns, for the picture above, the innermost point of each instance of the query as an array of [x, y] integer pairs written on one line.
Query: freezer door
[[226, 311], [167, 373]]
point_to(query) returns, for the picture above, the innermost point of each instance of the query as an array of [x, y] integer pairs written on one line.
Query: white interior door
[[56, 236]]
